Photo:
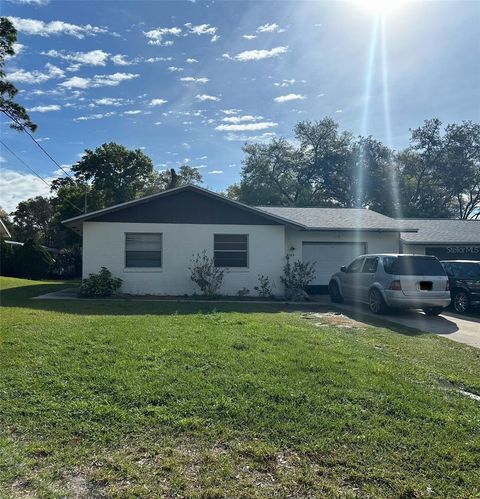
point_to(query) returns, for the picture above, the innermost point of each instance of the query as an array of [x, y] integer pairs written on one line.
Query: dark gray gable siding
[[184, 207]]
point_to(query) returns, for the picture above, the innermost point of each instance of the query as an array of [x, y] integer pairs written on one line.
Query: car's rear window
[[463, 270], [413, 265]]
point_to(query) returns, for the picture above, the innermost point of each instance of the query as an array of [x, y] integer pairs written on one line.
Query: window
[[413, 265], [230, 250], [143, 250], [355, 266], [370, 265]]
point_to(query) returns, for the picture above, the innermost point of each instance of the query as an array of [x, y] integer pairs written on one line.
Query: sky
[[189, 82]]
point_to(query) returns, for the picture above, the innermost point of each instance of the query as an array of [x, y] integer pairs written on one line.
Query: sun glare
[[381, 6]]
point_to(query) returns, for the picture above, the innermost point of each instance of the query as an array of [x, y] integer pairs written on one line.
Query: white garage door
[[329, 257]]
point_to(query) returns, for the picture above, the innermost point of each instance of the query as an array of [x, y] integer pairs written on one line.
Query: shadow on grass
[[21, 297]]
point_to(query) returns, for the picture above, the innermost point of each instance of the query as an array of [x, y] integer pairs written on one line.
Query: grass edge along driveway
[[132, 399]]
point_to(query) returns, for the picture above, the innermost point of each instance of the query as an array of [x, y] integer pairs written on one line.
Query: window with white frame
[[143, 250], [231, 250]]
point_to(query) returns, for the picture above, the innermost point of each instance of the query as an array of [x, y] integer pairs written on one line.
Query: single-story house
[[444, 238], [150, 242]]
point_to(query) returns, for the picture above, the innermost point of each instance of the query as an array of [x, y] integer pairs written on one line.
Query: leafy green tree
[[7, 258], [116, 173], [6, 220], [8, 91], [33, 261], [169, 179], [33, 220]]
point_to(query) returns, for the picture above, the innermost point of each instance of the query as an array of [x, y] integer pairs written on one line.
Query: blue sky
[[190, 82]]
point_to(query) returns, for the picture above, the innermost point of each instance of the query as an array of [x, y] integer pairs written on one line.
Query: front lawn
[[148, 399]]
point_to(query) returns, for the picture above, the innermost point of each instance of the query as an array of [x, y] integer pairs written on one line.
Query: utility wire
[[13, 153], [37, 143]]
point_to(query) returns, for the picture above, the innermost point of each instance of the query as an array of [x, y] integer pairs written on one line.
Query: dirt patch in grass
[[322, 319]]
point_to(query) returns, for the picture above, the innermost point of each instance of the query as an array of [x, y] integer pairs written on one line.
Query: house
[[444, 238], [149, 242]]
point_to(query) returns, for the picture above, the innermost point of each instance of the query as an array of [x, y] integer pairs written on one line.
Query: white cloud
[[16, 187], [288, 83], [191, 79], [133, 112], [174, 69], [157, 102], [246, 127], [92, 58], [249, 37], [111, 80], [38, 3], [229, 112], [270, 28], [235, 137], [215, 172], [201, 29], [286, 98], [18, 48], [111, 101], [156, 36], [215, 38], [240, 119], [97, 116], [35, 76], [257, 55], [339, 111], [45, 109], [205, 97], [191, 60], [121, 60], [41, 28]]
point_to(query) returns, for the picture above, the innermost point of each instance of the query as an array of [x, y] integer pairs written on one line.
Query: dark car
[[464, 278]]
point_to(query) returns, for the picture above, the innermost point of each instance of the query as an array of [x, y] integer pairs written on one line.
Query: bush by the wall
[[205, 275], [264, 288], [297, 275], [102, 284], [33, 261]]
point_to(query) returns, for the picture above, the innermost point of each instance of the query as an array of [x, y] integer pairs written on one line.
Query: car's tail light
[[395, 285], [447, 286]]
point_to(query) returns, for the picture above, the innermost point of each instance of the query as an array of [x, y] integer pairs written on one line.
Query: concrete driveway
[[449, 325]]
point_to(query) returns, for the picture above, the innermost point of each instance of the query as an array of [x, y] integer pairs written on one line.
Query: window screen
[[231, 250], [143, 250]]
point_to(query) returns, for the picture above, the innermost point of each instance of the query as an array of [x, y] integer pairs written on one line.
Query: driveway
[[449, 325]]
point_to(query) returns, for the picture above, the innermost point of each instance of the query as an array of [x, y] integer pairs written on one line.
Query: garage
[[328, 257]]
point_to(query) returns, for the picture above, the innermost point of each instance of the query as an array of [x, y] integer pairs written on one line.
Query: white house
[[149, 242]]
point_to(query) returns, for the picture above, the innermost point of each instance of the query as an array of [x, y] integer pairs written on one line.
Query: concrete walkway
[[463, 329]]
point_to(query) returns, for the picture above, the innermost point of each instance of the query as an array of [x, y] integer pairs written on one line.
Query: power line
[[13, 153], [37, 143]]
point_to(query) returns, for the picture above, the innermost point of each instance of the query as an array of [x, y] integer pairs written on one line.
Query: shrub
[[101, 284], [264, 288], [7, 258], [68, 263], [33, 261], [205, 275], [243, 292], [297, 275]]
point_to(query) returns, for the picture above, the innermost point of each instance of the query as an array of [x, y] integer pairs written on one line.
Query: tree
[[8, 91], [6, 220], [116, 173], [33, 261], [169, 179], [33, 219], [7, 258]]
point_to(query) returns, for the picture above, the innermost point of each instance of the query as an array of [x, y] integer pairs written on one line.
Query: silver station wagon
[[397, 281]]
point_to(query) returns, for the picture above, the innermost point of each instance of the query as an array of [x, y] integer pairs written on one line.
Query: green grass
[[144, 399]]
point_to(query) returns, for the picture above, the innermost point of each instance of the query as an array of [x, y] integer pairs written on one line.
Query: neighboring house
[[149, 242], [3, 230], [444, 238]]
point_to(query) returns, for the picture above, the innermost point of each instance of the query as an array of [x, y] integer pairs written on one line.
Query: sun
[[381, 6]]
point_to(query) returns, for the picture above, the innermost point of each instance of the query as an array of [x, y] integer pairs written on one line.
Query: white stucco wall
[[377, 242], [104, 245], [414, 249]]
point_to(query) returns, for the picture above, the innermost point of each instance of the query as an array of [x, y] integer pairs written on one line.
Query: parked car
[[397, 281], [464, 277]]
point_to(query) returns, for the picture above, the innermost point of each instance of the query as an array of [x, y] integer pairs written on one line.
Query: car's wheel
[[433, 310], [334, 291], [461, 302], [376, 303]]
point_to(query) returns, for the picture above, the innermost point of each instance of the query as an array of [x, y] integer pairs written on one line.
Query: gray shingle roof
[[338, 218], [442, 231]]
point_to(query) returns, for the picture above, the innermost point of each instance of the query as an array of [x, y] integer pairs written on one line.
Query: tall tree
[[33, 220], [115, 172], [8, 91], [169, 179]]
